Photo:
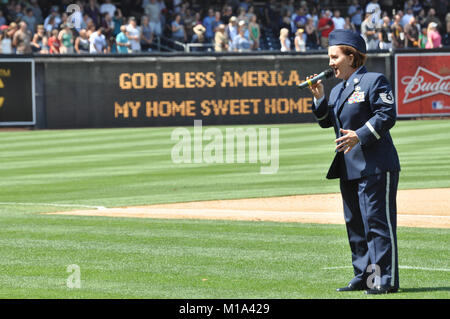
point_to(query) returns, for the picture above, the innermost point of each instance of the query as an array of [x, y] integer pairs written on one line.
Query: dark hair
[[358, 58]]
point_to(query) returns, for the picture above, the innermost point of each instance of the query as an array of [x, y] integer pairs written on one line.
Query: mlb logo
[[437, 105]]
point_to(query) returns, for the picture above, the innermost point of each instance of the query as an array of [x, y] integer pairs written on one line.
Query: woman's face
[[340, 63]]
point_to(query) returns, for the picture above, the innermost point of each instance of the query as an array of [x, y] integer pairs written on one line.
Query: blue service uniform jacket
[[365, 105]]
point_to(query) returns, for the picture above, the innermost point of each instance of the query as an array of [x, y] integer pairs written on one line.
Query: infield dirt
[[428, 208]]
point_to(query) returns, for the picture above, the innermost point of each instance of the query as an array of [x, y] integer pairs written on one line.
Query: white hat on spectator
[[199, 29]]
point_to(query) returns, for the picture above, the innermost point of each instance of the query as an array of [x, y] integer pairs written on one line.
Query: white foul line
[[52, 204]]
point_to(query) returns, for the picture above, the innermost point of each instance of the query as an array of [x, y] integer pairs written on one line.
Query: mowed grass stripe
[[142, 168], [227, 260]]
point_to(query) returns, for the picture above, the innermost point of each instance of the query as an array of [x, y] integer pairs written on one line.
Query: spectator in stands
[[314, 15], [37, 11], [374, 8], [39, 44], [153, 11], [90, 28], [53, 42], [122, 42], [227, 13], [189, 23], [408, 4], [178, 32], [385, 35], [242, 15], [339, 22], [65, 36], [64, 19], [118, 21], [232, 32], [147, 34], [300, 45], [22, 39], [421, 18], [286, 21], [250, 13], [423, 38], [446, 37], [16, 14], [208, 23], [416, 7], [12, 29], [407, 17], [245, 4], [53, 20], [431, 17], [30, 20], [217, 21], [325, 26], [199, 37], [433, 36], [287, 6], [255, 32], [82, 43], [285, 42], [412, 31], [221, 39], [369, 33], [97, 42], [177, 5], [312, 37], [398, 36], [50, 26], [134, 35], [93, 10], [300, 19], [2, 19], [108, 25], [108, 7], [234, 4], [197, 18], [241, 43], [84, 21], [271, 15], [349, 25], [6, 42], [111, 46]]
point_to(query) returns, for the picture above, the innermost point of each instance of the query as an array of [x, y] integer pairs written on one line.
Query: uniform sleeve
[[323, 112], [382, 104]]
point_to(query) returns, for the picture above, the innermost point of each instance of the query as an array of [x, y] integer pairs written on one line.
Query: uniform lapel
[[339, 97]]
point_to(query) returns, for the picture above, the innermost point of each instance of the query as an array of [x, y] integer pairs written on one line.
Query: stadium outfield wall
[[170, 89]]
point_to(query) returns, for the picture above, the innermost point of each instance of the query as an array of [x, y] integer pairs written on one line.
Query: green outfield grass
[[149, 258]]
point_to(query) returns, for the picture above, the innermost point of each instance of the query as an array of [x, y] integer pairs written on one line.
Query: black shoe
[[379, 290], [350, 287]]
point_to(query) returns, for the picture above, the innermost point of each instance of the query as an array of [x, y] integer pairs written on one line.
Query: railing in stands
[[166, 44]]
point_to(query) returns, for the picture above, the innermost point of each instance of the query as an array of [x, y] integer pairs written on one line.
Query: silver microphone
[[322, 75]]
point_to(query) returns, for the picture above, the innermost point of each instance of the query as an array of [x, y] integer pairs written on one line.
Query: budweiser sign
[[422, 84]]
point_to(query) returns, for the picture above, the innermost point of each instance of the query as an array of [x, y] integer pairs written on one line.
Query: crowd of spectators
[[414, 24], [126, 26]]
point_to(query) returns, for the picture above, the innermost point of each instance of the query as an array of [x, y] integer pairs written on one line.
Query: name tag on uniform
[[356, 97]]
